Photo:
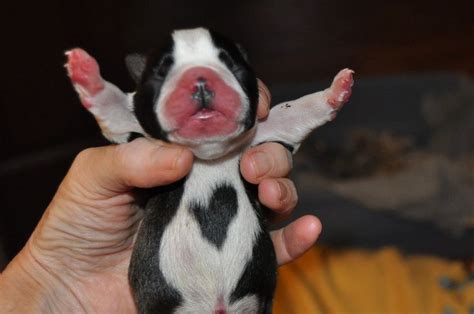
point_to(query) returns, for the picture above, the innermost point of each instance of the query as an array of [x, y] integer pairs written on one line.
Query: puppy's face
[[199, 92]]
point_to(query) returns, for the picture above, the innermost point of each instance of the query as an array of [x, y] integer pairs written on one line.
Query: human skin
[[77, 258]]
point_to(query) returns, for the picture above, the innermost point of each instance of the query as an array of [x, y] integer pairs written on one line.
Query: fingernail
[[261, 164], [283, 192]]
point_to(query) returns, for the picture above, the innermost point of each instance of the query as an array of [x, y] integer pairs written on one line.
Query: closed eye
[[165, 65], [226, 58]]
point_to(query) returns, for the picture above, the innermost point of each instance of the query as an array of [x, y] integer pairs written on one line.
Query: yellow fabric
[[385, 281]]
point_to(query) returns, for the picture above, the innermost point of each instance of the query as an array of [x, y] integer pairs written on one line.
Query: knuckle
[[131, 160], [281, 150], [277, 149], [283, 159], [121, 155], [132, 154], [122, 160], [84, 156], [277, 159]]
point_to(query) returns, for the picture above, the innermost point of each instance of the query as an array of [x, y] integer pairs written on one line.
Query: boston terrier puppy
[[202, 246]]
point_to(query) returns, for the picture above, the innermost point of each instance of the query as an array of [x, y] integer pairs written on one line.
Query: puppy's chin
[[216, 147]]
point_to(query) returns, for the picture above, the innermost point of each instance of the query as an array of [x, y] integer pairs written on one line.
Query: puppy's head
[[199, 91]]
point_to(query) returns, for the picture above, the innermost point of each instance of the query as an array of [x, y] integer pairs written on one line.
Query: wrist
[[27, 287]]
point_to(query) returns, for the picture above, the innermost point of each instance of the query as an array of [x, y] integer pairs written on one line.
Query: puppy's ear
[[135, 63]]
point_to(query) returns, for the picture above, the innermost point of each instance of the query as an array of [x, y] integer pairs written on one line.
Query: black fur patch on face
[[231, 55], [215, 219], [151, 291], [157, 67]]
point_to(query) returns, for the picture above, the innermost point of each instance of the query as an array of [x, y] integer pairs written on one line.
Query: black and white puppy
[[202, 246]]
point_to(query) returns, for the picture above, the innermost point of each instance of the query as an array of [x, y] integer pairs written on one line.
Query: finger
[[264, 100], [279, 195], [268, 160], [293, 240], [141, 163]]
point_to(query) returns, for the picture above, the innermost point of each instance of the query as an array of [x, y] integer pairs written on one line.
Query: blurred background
[[396, 168]]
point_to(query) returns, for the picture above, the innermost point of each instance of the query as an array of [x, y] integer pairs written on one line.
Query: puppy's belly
[[204, 273]]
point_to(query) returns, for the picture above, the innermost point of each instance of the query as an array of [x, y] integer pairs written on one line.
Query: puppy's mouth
[[203, 106], [203, 96], [206, 114]]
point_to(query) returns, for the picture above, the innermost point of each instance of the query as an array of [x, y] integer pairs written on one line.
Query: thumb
[[108, 171]]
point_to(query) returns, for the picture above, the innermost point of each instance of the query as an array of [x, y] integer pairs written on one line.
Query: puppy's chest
[[211, 237]]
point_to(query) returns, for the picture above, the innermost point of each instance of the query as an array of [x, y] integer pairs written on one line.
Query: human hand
[[268, 165], [77, 258]]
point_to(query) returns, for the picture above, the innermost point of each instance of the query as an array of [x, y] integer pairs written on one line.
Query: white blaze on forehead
[[194, 46]]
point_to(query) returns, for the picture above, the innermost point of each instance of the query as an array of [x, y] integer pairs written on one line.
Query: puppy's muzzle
[[202, 95]]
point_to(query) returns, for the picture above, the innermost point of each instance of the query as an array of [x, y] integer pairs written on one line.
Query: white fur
[[112, 109], [202, 273], [290, 122], [247, 305]]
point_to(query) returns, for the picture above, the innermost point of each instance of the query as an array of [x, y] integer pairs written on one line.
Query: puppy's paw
[[84, 73], [340, 91]]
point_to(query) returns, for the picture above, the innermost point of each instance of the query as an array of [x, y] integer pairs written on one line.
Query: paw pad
[[341, 89], [84, 72]]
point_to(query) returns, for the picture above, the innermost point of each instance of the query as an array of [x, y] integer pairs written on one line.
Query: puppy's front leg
[[111, 107], [290, 122]]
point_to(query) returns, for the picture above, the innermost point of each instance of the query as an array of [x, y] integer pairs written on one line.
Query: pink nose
[[202, 94]]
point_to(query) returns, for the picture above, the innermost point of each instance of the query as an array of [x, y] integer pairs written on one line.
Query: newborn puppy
[[202, 246]]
